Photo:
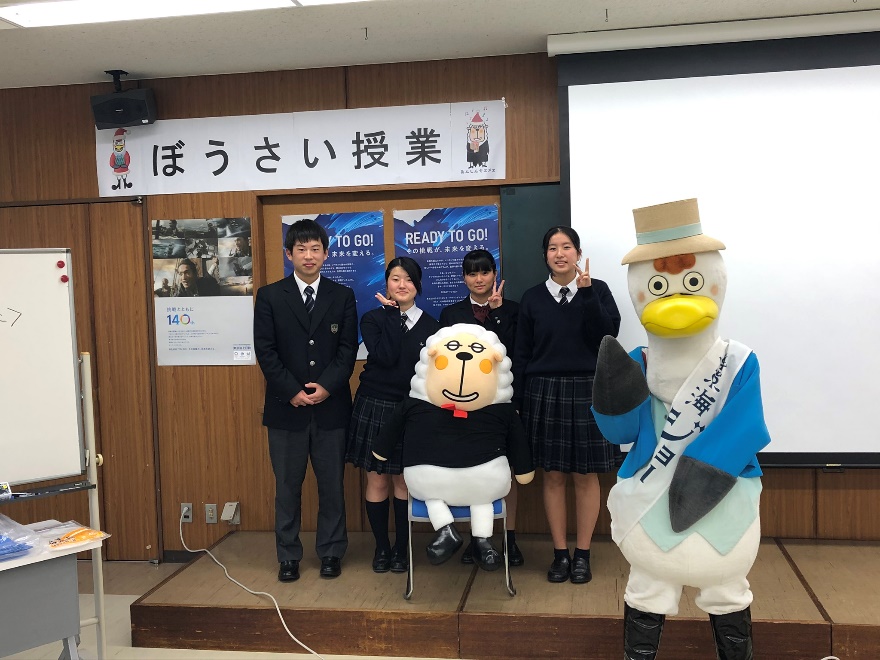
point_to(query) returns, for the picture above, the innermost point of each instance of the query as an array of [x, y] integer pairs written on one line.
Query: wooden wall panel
[[788, 503], [847, 506], [527, 82], [212, 446], [123, 364], [65, 227], [48, 146], [249, 93]]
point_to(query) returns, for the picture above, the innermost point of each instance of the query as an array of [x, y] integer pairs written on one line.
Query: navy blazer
[[294, 348], [501, 321]]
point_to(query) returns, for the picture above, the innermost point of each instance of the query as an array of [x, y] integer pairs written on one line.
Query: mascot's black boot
[[733, 635], [444, 545], [485, 555], [641, 633]]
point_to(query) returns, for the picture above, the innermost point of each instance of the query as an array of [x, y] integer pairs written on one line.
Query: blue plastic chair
[[418, 512]]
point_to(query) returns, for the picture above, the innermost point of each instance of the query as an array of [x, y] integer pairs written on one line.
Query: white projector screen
[[786, 168]]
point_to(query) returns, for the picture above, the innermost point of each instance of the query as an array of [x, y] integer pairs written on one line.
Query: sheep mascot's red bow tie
[[456, 412]]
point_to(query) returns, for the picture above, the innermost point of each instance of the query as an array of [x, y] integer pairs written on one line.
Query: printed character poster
[[438, 239], [356, 256], [203, 289]]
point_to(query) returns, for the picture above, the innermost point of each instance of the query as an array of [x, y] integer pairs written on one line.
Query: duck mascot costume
[[459, 428], [684, 510]]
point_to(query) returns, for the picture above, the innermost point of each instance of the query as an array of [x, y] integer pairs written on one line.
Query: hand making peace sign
[[583, 278], [496, 298]]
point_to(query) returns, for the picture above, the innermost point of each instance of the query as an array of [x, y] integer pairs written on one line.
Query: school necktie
[[310, 300], [481, 312], [403, 318], [563, 295]]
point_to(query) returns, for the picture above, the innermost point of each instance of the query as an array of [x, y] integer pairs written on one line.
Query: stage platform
[[812, 599]]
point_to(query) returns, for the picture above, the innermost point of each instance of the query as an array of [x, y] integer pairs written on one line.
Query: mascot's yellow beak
[[679, 316]]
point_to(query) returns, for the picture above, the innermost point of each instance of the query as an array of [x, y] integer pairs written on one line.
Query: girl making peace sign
[[486, 306], [393, 334], [561, 323]]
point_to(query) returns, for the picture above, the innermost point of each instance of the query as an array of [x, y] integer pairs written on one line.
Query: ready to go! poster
[[438, 239], [203, 289], [355, 256]]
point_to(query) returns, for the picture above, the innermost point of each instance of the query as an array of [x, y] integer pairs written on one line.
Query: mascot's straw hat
[[668, 229]]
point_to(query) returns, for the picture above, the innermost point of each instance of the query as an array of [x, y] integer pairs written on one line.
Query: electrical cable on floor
[[183, 513]]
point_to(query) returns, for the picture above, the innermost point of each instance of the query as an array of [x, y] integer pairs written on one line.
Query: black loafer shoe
[[467, 557], [381, 560], [514, 555], [485, 555], [399, 560], [445, 544], [580, 571], [331, 567], [288, 571], [560, 570]]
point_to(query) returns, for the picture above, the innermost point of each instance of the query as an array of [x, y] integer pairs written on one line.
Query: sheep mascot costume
[[458, 429], [684, 510]]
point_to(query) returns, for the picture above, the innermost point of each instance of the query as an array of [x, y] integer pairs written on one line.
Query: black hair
[[411, 267], [478, 261], [305, 231], [560, 229]]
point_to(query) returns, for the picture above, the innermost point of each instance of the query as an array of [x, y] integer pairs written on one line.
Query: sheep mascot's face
[[463, 372], [463, 367]]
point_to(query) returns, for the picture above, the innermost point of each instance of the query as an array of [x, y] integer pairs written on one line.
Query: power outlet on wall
[[186, 512], [210, 513]]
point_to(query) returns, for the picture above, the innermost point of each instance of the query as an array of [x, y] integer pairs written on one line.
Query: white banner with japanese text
[[324, 149]]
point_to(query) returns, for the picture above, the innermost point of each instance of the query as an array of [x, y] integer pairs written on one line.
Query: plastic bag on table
[[15, 539], [70, 535]]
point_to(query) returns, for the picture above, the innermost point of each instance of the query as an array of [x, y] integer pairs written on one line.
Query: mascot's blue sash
[[700, 398]]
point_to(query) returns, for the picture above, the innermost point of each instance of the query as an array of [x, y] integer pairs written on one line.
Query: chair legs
[[407, 594], [508, 580]]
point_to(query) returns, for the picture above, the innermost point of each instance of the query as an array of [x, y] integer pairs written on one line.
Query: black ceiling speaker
[[132, 107]]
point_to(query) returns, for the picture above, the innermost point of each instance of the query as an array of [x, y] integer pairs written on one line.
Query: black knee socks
[[377, 514]]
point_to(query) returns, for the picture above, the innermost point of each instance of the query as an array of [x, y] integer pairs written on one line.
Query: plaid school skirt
[[368, 416], [560, 426]]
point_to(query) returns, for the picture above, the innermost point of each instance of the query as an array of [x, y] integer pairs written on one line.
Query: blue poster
[[438, 239], [356, 255]]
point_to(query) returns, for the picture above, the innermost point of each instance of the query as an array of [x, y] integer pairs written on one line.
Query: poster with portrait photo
[[203, 301], [355, 256], [438, 239]]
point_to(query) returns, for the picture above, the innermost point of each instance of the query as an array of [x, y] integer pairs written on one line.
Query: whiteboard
[[784, 166], [41, 433]]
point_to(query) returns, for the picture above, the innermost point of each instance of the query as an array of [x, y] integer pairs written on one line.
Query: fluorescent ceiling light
[[77, 12], [311, 3], [713, 33]]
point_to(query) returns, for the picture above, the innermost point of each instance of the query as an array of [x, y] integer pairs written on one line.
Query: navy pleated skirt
[[560, 425]]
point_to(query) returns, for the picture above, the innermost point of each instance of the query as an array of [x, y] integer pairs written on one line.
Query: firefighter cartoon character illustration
[[120, 160], [478, 140]]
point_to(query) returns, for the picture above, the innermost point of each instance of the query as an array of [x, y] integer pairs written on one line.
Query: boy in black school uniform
[[487, 307], [305, 338]]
